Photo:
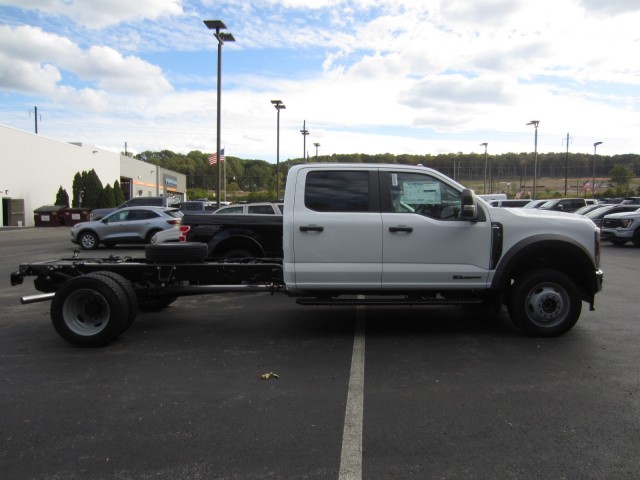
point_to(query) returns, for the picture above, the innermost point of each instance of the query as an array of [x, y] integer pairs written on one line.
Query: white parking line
[[351, 457]]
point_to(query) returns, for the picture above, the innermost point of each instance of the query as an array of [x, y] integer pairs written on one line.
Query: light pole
[[222, 37], [316, 145], [279, 106], [593, 177], [304, 133], [566, 166], [535, 158], [484, 185]]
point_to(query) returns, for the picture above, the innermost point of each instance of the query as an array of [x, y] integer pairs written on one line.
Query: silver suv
[[127, 225]]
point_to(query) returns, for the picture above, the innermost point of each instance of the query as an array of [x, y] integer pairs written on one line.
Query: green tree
[[194, 193], [118, 193], [62, 197], [107, 198], [92, 189], [621, 175], [77, 189]]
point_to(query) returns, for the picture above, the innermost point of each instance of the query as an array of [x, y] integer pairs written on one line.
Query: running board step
[[456, 300]]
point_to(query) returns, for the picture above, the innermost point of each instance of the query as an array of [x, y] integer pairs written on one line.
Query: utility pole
[[566, 166], [304, 133], [35, 116], [484, 187]]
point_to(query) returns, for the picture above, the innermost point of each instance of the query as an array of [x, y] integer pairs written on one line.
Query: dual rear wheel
[[92, 310]]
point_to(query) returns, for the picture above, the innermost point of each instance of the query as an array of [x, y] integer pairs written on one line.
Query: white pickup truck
[[368, 234]]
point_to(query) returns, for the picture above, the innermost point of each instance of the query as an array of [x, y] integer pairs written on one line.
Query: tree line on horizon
[[251, 175], [258, 177]]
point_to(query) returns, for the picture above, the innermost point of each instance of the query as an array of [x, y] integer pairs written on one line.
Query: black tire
[[618, 242], [88, 241], [544, 303], [89, 310], [129, 291], [237, 253], [176, 252], [636, 238], [155, 304]]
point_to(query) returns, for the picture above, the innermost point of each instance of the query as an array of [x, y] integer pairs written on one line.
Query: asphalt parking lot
[[371, 393]]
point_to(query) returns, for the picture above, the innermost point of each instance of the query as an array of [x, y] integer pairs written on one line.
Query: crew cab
[[367, 234]]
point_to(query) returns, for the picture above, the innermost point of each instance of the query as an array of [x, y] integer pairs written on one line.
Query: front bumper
[[595, 281], [612, 233], [598, 280]]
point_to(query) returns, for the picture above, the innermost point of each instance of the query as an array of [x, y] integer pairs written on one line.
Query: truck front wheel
[[90, 310], [544, 303]]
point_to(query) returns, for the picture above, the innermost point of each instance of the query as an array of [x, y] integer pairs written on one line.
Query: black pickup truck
[[235, 236]]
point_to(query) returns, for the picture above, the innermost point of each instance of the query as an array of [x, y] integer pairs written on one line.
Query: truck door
[[424, 244], [336, 231]]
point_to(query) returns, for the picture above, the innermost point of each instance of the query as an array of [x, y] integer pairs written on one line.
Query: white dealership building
[[34, 167]]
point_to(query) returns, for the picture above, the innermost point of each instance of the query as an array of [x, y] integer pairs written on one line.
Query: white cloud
[[392, 75], [613, 7], [102, 13], [117, 73], [32, 60]]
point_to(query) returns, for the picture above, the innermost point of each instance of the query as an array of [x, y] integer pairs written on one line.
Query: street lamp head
[[597, 143], [225, 37], [534, 123], [316, 145], [215, 24], [484, 144], [278, 104]]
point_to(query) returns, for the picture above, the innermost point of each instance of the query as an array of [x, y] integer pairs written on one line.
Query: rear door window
[[337, 191]]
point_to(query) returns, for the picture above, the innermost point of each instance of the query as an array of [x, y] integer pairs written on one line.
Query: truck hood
[[558, 222], [633, 214]]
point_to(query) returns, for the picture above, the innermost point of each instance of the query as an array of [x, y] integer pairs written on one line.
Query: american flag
[[213, 159], [589, 187]]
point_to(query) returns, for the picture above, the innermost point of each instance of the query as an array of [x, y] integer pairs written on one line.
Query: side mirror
[[468, 207]]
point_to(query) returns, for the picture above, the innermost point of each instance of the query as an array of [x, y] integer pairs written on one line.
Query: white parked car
[[166, 236], [262, 208]]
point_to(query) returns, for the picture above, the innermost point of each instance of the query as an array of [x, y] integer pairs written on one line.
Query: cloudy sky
[[367, 76]]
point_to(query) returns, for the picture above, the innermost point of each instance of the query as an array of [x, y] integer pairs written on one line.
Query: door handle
[[311, 228], [400, 229]]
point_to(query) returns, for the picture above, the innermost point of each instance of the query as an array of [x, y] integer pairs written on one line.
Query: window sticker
[[394, 179], [421, 193]]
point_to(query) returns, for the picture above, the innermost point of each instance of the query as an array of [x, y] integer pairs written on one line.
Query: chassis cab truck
[[354, 234]]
